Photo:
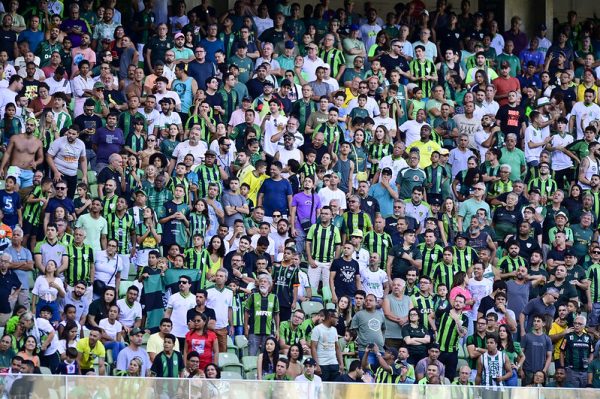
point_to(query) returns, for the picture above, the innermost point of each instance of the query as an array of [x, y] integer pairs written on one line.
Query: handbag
[[306, 223], [99, 286]]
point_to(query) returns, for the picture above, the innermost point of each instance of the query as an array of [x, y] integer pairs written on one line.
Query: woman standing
[[267, 360], [415, 337], [46, 291], [201, 340], [513, 352]]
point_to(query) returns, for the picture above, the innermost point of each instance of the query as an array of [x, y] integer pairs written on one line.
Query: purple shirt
[[109, 142], [70, 23], [303, 204]]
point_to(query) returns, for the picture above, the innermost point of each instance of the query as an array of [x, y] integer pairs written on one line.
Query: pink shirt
[[464, 292]]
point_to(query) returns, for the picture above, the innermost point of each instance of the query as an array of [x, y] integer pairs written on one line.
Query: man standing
[[64, 156], [304, 210], [23, 154], [177, 308], [220, 299], [10, 287], [108, 140], [81, 263], [261, 316], [324, 348], [95, 226], [369, 323], [322, 245], [174, 218], [344, 276], [493, 366], [537, 348], [577, 352], [452, 326], [275, 193]]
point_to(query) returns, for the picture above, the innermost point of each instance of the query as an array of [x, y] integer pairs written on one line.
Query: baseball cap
[[247, 98], [386, 171], [560, 213], [268, 83], [136, 331], [463, 235], [543, 101], [178, 35], [99, 85], [354, 27], [535, 191], [289, 44], [444, 151], [530, 63], [435, 201], [139, 190], [562, 53], [210, 153], [357, 233], [569, 252], [310, 362]]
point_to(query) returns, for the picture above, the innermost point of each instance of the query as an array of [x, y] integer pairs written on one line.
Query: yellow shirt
[[556, 329], [89, 355], [425, 150], [254, 183]]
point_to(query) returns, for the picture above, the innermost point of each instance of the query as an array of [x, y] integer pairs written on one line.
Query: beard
[[263, 290]]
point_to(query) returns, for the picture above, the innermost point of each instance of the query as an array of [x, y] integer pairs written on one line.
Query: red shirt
[[504, 86], [203, 344]]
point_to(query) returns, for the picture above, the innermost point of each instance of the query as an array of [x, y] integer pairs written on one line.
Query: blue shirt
[[275, 196], [211, 48], [10, 204], [33, 38], [383, 197]]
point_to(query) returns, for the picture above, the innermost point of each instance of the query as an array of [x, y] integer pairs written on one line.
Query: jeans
[[255, 343], [330, 372], [115, 347]]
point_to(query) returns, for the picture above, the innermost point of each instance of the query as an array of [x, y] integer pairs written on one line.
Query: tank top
[[398, 307], [493, 367], [591, 170]]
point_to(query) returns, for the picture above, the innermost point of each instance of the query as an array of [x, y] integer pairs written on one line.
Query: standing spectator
[[220, 299], [396, 308], [261, 316], [576, 353], [177, 308], [324, 348], [322, 246], [344, 275], [64, 156], [537, 348], [10, 288], [107, 141], [275, 193]]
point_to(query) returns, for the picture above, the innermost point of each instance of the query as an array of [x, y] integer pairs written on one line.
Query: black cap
[[435, 201], [247, 98], [387, 171], [569, 252], [409, 231], [310, 362], [463, 235]]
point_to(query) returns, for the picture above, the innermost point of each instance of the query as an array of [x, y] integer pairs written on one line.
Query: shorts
[[32, 231], [24, 177], [594, 315]]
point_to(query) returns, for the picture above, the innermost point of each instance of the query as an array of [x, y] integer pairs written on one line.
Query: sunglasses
[[61, 188]]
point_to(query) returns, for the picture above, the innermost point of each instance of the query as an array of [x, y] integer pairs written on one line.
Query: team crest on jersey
[[370, 203], [433, 257], [416, 178], [528, 245], [85, 257], [468, 257]]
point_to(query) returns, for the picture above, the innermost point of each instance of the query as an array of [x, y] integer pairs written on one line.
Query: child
[[112, 332], [10, 125], [359, 111], [416, 103], [338, 102], [83, 200], [239, 297], [376, 71], [245, 192], [69, 366], [136, 142], [197, 257], [46, 313], [69, 314], [348, 344], [180, 178], [440, 301], [309, 167]]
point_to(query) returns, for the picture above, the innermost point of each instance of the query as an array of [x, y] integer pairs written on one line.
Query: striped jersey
[[324, 241], [80, 263], [430, 257], [262, 310], [120, 229], [32, 211], [447, 336], [380, 243]]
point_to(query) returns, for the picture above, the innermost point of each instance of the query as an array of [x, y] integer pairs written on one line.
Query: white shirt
[[42, 327], [481, 136], [6, 96], [491, 107], [105, 268], [220, 301], [326, 338], [412, 129], [62, 86], [151, 118], [430, 49], [388, 122], [198, 151], [167, 94], [179, 306], [273, 126], [262, 24], [560, 160], [584, 115], [535, 136], [326, 195], [163, 121], [479, 290], [111, 329], [497, 43], [310, 67], [333, 84], [396, 165], [373, 281], [128, 315]]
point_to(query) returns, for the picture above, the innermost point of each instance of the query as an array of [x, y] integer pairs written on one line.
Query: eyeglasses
[[61, 188], [276, 216], [151, 139]]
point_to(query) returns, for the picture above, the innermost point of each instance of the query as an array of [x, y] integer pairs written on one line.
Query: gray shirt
[[370, 327], [400, 308], [23, 255], [66, 155], [126, 355], [231, 199], [535, 348]]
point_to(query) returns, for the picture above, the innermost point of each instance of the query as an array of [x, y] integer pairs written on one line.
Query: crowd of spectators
[[404, 196]]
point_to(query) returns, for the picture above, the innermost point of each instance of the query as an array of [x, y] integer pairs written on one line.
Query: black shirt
[[208, 312], [345, 276], [8, 38], [391, 63], [87, 122]]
